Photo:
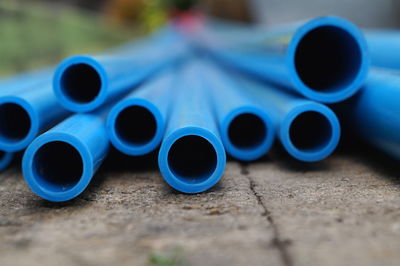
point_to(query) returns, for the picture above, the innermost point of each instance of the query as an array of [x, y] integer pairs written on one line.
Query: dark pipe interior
[[81, 83], [2, 154], [57, 166], [310, 131], [15, 122], [136, 125], [192, 159], [328, 59], [247, 131]]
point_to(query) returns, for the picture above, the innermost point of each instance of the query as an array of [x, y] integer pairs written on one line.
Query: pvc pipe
[[324, 59], [374, 112], [309, 131], [26, 111], [192, 157], [136, 124], [384, 47], [83, 83], [5, 159], [59, 164], [247, 131]]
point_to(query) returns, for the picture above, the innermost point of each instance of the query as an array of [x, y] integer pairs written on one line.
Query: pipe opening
[[328, 59], [136, 125], [57, 166], [2, 154], [81, 83], [310, 131], [15, 122], [247, 131], [192, 159]]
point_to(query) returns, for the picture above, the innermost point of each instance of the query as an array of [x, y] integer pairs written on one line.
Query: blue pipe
[[309, 131], [384, 48], [192, 157], [324, 59], [374, 113], [83, 83], [26, 109], [59, 164], [136, 124], [5, 159], [247, 131]]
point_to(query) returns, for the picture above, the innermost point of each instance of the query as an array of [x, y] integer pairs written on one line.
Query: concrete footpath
[[343, 211]]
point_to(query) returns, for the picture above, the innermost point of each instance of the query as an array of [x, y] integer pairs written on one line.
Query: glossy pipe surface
[[26, 111], [247, 130], [324, 59], [192, 157], [384, 48], [59, 164], [83, 83], [136, 124], [309, 131], [374, 113]]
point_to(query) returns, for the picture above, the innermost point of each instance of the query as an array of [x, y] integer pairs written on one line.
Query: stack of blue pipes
[[197, 92]]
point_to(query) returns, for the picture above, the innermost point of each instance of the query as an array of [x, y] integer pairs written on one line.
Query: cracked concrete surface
[[343, 211]]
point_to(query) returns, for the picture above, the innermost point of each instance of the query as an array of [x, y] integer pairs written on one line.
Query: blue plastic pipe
[[59, 164], [309, 131], [27, 108], [374, 113], [384, 48], [324, 59], [192, 157], [83, 83], [5, 159], [136, 124], [247, 131]]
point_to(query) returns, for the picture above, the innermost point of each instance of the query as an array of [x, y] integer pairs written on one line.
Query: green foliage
[[33, 35], [171, 258]]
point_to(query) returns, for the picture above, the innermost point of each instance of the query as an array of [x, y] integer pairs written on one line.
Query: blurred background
[[36, 33]]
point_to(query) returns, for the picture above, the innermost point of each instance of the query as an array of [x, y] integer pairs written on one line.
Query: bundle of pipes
[[194, 92]]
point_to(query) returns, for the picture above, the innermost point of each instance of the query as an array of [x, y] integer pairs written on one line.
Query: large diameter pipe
[[309, 131], [324, 59], [59, 164], [83, 83], [192, 157], [26, 111], [247, 130], [384, 46], [374, 113], [136, 124]]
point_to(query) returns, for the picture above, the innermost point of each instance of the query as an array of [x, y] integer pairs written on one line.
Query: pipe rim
[[66, 101], [357, 81], [13, 146], [310, 156], [31, 178], [253, 153], [134, 149], [176, 182]]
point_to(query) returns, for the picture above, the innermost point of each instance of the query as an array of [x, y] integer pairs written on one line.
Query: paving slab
[[343, 211]]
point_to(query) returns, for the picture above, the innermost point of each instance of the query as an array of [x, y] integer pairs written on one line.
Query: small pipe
[[324, 59], [83, 83], [308, 131], [59, 164], [374, 112], [383, 47], [192, 157], [5, 159], [136, 124], [247, 131], [26, 109]]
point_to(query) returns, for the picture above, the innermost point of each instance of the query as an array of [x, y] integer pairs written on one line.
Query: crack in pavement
[[280, 244]]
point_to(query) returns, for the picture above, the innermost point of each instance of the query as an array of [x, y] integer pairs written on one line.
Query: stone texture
[[343, 211]]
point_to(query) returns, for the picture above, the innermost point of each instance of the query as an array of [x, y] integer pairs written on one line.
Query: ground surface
[[343, 211]]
